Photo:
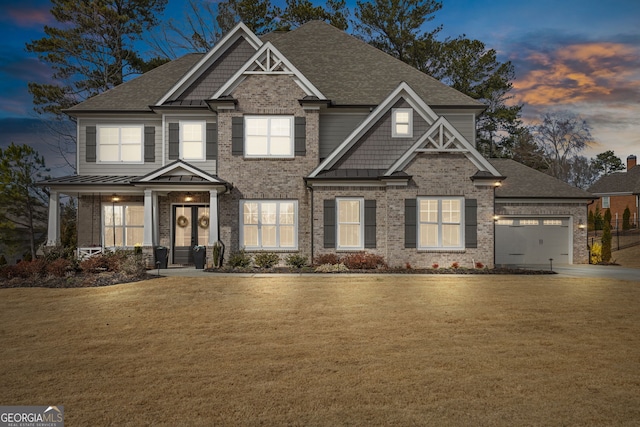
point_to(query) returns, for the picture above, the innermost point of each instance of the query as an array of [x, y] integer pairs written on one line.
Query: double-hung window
[[269, 136], [606, 202], [192, 140], [402, 122], [123, 224], [120, 143], [350, 223], [440, 223], [269, 224]]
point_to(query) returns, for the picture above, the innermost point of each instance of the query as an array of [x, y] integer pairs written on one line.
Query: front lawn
[[319, 350]]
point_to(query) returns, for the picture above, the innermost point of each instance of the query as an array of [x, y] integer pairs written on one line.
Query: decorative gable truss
[[268, 60], [440, 137]]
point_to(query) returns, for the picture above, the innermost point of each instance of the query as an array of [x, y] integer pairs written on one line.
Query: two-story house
[[619, 191], [310, 142]]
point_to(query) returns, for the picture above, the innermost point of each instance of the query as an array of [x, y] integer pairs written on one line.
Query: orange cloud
[[578, 73], [30, 17]]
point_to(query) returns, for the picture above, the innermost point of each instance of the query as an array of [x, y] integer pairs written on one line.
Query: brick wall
[[433, 175], [266, 178], [617, 204]]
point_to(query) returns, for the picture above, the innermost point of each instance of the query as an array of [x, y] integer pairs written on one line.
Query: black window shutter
[[174, 141], [212, 141], [410, 221], [237, 136], [300, 136], [149, 144], [369, 223], [471, 223], [330, 223], [91, 144]]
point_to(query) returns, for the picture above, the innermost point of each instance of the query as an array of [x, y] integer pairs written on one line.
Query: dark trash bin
[[199, 256], [162, 256]]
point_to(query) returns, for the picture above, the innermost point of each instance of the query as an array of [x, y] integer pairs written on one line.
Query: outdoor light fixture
[[581, 225], [496, 217], [497, 184], [188, 197], [115, 198]]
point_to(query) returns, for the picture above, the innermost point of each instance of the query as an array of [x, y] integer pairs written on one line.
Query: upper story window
[[120, 143], [402, 123], [350, 223], [268, 136], [605, 202], [192, 140], [440, 223]]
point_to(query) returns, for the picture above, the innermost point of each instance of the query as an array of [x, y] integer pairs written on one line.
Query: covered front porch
[[175, 207]]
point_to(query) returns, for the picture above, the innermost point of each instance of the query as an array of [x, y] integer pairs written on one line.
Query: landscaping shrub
[[327, 259], [239, 259], [479, 265], [435, 265], [266, 259], [363, 261], [606, 242], [59, 267], [626, 219], [596, 253], [331, 268], [455, 265], [96, 263], [25, 269], [296, 260]]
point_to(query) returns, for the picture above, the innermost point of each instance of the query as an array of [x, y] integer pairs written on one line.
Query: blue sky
[[576, 55]]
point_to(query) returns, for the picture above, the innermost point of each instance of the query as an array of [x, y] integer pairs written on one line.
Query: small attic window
[[402, 123]]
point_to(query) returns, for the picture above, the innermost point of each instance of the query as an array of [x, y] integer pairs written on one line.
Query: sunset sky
[[576, 55]]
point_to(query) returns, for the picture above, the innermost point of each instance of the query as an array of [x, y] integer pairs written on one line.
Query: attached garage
[[538, 217], [533, 240]]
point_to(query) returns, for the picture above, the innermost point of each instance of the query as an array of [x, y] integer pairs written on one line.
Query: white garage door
[[526, 241]]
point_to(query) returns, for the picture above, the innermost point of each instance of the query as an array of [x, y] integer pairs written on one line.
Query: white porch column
[[148, 218], [156, 216], [53, 230], [213, 217]]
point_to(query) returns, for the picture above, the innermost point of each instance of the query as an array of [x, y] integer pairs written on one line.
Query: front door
[[190, 228]]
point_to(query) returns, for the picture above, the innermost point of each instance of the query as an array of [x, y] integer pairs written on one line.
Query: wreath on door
[[203, 222], [182, 221]]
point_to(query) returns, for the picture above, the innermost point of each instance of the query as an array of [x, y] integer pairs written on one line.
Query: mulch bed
[[311, 270]]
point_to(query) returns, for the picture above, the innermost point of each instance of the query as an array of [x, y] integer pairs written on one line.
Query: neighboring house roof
[[346, 70], [137, 94], [523, 182], [618, 182]]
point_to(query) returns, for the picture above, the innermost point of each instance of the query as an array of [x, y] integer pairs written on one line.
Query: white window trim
[[440, 223], [123, 226], [271, 156], [606, 205], [361, 244], [120, 126], [271, 248], [203, 153], [394, 111]]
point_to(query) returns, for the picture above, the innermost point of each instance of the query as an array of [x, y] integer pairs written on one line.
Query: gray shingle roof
[[349, 71], [345, 69], [525, 182], [619, 182], [137, 94]]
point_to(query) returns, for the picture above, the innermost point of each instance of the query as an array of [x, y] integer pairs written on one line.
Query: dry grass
[[629, 257], [345, 350]]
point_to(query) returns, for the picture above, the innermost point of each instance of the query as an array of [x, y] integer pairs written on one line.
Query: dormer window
[[402, 123]]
